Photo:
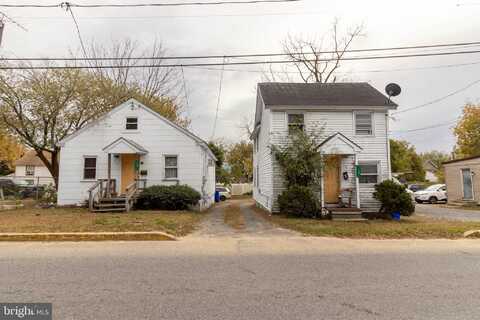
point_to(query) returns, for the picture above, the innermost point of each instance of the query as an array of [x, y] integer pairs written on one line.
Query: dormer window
[[296, 122], [132, 123]]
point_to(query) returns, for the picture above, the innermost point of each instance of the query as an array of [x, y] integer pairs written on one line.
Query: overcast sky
[[261, 28]]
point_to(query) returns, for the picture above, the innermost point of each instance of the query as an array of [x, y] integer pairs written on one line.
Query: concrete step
[[109, 209]]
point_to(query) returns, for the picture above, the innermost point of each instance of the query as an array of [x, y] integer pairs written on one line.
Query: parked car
[[224, 193], [415, 187], [432, 194], [22, 188]]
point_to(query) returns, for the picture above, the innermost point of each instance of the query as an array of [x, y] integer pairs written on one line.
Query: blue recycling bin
[[217, 196], [396, 215]]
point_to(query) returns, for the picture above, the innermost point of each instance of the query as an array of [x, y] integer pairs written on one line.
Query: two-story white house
[[130, 148], [352, 119]]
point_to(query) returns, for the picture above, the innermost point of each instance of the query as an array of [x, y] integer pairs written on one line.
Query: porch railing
[[103, 188]]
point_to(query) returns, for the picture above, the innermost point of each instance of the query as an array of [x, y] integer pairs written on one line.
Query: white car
[[224, 193], [433, 194]]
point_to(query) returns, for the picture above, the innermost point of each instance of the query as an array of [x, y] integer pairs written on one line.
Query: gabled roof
[[30, 158], [329, 144], [353, 94], [132, 145], [132, 101]]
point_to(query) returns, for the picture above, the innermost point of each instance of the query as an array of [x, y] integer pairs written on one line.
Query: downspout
[[204, 177], [389, 163]]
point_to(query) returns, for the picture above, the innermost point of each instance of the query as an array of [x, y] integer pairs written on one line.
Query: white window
[[29, 170], [171, 167], [131, 123], [363, 123], [296, 121], [89, 168], [368, 173]]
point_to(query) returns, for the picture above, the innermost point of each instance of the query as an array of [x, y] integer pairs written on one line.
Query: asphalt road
[[246, 277], [439, 212]]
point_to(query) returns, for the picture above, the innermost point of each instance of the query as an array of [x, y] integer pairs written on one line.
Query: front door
[[332, 179], [128, 170], [467, 184]]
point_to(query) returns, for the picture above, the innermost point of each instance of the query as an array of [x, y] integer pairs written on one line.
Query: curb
[[88, 236]]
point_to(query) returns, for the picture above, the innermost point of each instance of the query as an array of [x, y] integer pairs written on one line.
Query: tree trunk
[[51, 165]]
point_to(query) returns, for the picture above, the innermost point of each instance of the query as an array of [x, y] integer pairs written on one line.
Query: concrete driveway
[[440, 212]]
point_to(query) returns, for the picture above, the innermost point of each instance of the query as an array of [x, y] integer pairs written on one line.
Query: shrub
[[298, 201], [168, 197], [393, 197]]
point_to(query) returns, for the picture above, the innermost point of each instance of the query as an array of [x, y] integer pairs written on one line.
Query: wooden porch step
[[110, 205]]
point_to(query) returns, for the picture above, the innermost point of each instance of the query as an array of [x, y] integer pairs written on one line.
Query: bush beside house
[[178, 197], [394, 198]]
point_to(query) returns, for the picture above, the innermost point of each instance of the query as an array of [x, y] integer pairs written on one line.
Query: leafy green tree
[[436, 158], [467, 132], [406, 161], [10, 150], [41, 107], [240, 159], [301, 163], [221, 174]]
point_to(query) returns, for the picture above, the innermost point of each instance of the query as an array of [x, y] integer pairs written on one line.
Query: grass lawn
[[25, 220], [407, 227]]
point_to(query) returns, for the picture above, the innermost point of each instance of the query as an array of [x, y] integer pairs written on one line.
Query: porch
[[125, 158], [340, 186]]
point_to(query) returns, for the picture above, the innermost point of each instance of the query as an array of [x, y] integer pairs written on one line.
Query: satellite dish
[[393, 90]]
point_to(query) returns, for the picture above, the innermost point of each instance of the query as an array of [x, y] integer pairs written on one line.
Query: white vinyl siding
[[328, 123], [157, 136]]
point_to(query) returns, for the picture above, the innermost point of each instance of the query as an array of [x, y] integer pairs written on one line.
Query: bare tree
[[311, 63]]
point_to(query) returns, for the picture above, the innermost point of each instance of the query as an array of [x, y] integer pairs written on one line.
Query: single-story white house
[[131, 147], [32, 170]]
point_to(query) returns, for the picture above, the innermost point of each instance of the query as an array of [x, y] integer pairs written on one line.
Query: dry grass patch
[[233, 217], [407, 227], [177, 223]]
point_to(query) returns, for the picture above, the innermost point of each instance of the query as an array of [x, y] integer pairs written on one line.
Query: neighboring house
[[462, 177], [430, 170], [353, 118], [31, 169], [130, 148]]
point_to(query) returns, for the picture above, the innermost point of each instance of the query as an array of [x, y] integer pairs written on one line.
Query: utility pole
[[3, 20]]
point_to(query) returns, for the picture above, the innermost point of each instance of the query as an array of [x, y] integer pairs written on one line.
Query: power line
[[68, 8], [173, 16], [347, 72], [138, 5], [438, 125], [471, 84], [234, 63], [218, 100], [258, 55]]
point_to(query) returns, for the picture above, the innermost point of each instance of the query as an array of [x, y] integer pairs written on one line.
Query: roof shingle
[[322, 94]]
